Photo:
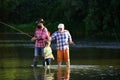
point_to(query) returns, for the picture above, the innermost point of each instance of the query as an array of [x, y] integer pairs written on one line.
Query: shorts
[[63, 54], [38, 51], [48, 61]]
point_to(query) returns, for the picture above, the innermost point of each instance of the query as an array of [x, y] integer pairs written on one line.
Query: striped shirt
[[41, 33], [62, 39]]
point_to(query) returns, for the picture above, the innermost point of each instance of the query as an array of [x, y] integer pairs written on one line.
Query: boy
[[48, 53]]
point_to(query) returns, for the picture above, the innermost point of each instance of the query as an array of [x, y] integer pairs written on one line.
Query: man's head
[[40, 23], [61, 27]]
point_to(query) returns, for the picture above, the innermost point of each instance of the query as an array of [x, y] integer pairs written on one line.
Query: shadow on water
[[87, 63]]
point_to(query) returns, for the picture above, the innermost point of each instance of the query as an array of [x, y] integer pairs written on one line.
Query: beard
[[39, 27]]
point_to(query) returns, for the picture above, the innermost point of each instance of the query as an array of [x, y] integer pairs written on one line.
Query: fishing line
[[16, 29]]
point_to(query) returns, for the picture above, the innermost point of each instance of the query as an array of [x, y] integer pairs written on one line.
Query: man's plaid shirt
[[43, 33], [62, 39]]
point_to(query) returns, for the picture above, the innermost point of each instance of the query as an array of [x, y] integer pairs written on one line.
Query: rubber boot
[[35, 62]]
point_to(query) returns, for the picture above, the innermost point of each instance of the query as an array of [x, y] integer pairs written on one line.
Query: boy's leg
[[43, 62], [48, 62]]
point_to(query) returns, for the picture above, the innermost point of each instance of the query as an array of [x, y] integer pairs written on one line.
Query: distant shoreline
[[79, 44]]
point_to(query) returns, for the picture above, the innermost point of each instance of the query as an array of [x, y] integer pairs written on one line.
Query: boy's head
[[47, 43]]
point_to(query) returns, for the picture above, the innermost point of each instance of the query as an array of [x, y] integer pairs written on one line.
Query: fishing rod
[[12, 27]]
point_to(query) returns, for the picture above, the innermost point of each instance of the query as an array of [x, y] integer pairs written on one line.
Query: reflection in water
[[48, 75], [36, 75], [43, 74], [63, 73]]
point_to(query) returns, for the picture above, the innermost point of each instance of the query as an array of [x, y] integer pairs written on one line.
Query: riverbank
[[97, 44], [78, 44]]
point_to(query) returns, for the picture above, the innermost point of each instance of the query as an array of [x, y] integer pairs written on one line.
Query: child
[[48, 53]]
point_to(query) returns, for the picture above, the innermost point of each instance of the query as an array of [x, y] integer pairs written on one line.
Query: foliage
[[82, 17]]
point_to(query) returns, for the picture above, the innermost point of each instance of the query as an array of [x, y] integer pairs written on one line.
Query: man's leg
[[59, 57], [67, 58], [42, 56], [35, 61], [68, 64], [36, 57]]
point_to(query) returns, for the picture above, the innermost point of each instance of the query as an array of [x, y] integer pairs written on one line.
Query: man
[[63, 39], [40, 36]]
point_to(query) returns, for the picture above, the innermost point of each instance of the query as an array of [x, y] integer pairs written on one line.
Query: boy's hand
[[52, 58]]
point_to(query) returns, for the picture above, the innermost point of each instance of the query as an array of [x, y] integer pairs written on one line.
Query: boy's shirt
[[48, 52]]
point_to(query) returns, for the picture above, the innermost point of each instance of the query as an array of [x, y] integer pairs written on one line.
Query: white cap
[[61, 25]]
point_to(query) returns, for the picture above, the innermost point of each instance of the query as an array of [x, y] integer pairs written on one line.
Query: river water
[[89, 61]]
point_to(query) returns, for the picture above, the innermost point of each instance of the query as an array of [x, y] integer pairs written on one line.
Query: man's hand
[[71, 42], [33, 38]]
